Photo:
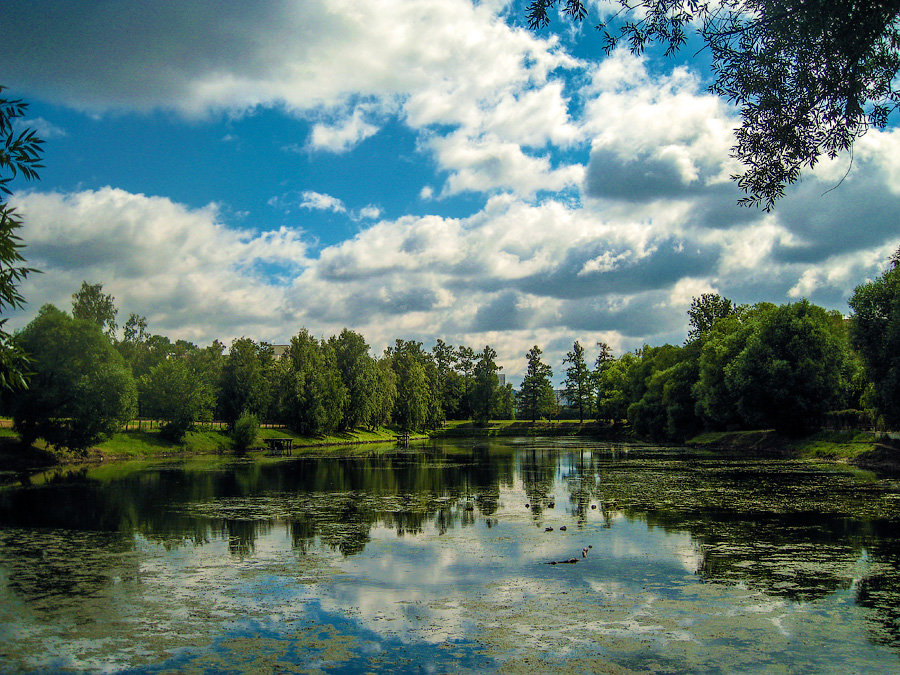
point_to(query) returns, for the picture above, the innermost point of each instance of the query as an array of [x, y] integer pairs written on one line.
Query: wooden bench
[[279, 447]]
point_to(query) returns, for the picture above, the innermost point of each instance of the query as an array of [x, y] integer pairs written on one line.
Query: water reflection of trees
[[333, 500], [790, 532], [880, 592]]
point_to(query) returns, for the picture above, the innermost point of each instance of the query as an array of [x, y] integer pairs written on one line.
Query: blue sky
[[406, 168]]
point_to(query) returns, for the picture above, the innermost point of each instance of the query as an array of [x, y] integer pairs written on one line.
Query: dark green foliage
[[716, 401], [579, 382], [505, 408], [660, 383], [780, 367], [334, 394], [206, 365], [789, 373], [385, 393], [81, 388], [19, 156], [810, 76], [465, 359], [604, 360], [174, 393], [434, 412], [310, 394], [245, 383], [611, 381], [486, 384], [536, 395], [90, 304], [357, 372], [142, 355], [417, 404], [875, 333], [450, 384], [682, 421], [705, 311], [411, 401], [246, 429]]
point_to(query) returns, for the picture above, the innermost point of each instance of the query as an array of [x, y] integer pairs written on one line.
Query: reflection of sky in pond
[[467, 587]]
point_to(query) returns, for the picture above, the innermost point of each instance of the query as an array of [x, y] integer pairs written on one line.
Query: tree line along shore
[[794, 368]]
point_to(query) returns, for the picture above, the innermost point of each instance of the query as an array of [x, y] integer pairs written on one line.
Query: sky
[[413, 169]]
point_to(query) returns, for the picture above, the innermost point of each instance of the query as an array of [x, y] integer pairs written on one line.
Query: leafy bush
[[245, 431]]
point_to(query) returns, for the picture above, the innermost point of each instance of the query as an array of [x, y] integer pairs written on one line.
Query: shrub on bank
[[245, 432]]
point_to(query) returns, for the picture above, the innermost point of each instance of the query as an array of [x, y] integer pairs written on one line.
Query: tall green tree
[[485, 385], [579, 382], [245, 384], [173, 393], [411, 401], [704, 311], [603, 361], [716, 397], [357, 371], [809, 76], [465, 359], [790, 372], [81, 390], [385, 393], [315, 398], [536, 392], [612, 397], [645, 385], [434, 416], [665, 409], [875, 334], [206, 365], [505, 407], [20, 155], [91, 304], [449, 383], [133, 337], [776, 367], [334, 393]]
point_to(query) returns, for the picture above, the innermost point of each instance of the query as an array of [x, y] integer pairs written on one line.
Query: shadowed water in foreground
[[435, 559]]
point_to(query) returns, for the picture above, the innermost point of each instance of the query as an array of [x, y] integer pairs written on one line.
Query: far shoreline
[[861, 449]]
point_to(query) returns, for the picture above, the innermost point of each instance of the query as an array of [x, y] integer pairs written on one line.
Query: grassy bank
[[860, 448], [136, 444], [148, 443], [494, 428], [836, 445]]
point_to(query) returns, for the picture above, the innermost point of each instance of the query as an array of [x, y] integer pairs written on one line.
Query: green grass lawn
[[836, 444], [382, 434], [457, 428], [824, 444], [148, 443]]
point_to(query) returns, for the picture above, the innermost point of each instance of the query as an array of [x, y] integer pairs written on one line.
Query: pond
[[523, 555]]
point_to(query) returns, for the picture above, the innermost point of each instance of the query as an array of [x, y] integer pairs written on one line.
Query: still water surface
[[436, 559]]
